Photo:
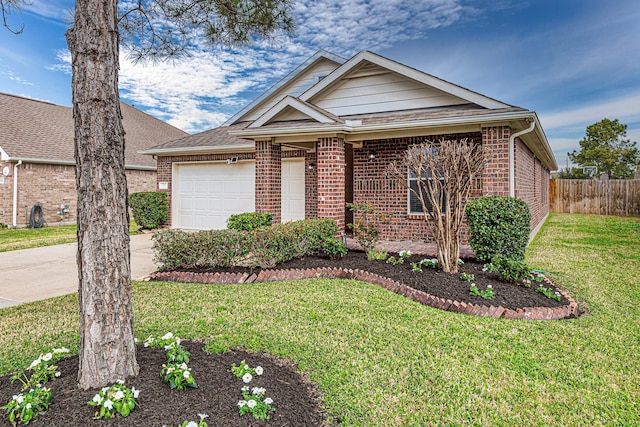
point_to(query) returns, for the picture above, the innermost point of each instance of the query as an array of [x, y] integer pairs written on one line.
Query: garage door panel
[[209, 193]]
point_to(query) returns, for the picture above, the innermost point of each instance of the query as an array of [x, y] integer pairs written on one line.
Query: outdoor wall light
[[311, 165], [372, 154]]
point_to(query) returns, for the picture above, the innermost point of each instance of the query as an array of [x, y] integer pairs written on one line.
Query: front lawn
[[382, 359], [25, 238]]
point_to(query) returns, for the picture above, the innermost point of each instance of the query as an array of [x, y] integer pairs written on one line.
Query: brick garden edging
[[528, 313]]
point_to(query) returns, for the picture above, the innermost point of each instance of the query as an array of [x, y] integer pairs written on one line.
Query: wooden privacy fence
[[593, 196]]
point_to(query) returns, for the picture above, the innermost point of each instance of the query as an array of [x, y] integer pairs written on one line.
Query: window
[[415, 207]]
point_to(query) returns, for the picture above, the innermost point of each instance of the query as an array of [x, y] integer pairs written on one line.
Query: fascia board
[[238, 148], [292, 102]]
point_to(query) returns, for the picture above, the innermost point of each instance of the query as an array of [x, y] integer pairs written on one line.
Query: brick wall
[[52, 186], [532, 182], [390, 196], [311, 185], [495, 175]]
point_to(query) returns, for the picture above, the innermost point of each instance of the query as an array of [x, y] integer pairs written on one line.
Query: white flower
[[97, 399], [135, 340], [259, 370], [167, 336], [34, 363], [135, 392], [20, 399], [192, 424], [177, 341], [247, 378], [60, 350], [121, 382], [242, 403], [203, 416], [258, 390], [58, 374], [28, 406], [252, 403], [119, 395], [268, 400], [184, 366], [108, 404], [489, 286], [245, 388], [47, 357], [186, 374], [104, 389]]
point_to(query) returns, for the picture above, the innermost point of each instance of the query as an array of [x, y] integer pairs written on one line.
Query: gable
[[370, 88], [298, 81]]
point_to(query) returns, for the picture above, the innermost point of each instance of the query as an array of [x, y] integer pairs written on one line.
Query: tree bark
[[107, 349]]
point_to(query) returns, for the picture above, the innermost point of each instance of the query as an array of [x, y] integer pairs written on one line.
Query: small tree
[[446, 171], [366, 226], [604, 146]]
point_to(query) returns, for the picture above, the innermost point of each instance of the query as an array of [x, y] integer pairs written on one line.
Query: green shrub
[[264, 246], [249, 220], [150, 209], [334, 248], [509, 269], [203, 249], [498, 225]]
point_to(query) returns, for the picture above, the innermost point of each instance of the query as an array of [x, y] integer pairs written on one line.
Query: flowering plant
[[117, 398], [402, 255], [417, 267], [178, 376], [486, 294], [246, 372], [255, 403], [23, 407], [200, 423], [467, 277], [42, 369], [177, 354], [166, 341], [549, 293]]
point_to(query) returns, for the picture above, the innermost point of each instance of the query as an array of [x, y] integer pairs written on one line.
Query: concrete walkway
[[40, 273]]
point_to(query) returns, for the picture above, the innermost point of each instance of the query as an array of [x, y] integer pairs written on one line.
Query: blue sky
[[574, 62]]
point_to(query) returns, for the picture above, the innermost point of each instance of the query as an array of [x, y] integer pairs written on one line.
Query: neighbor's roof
[[43, 132]]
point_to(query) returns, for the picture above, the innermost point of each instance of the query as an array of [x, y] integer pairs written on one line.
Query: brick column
[[331, 176], [495, 175], [269, 179], [310, 185]]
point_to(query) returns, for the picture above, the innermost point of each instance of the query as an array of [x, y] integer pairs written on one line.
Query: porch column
[[331, 179], [495, 175], [269, 179]]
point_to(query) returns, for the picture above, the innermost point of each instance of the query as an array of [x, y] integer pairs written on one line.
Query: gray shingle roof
[[32, 129], [217, 137]]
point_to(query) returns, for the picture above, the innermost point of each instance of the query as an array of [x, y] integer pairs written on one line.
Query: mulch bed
[[217, 395], [430, 280]]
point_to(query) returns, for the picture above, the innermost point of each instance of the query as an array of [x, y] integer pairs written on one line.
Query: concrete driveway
[[39, 273]]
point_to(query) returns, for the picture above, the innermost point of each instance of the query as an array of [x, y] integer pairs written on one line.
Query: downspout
[[15, 192], [512, 156]]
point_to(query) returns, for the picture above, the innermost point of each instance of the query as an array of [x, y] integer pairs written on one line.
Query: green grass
[[381, 359], [25, 238]]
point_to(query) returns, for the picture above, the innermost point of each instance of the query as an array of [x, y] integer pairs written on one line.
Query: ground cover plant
[[381, 359]]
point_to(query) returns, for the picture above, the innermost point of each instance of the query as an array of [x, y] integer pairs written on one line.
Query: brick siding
[[52, 186], [532, 182], [331, 179]]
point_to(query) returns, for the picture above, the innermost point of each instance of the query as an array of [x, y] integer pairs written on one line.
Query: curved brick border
[[529, 313]]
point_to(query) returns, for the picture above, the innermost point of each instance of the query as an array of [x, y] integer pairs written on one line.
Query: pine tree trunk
[[107, 350]]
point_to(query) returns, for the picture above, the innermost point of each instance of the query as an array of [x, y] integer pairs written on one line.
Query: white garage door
[[292, 189], [205, 194]]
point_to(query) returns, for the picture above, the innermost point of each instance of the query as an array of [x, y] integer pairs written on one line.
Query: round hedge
[[498, 225]]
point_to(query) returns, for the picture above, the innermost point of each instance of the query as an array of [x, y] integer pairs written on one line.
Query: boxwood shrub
[[249, 220], [498, 225], [149, 208], [264, 246]]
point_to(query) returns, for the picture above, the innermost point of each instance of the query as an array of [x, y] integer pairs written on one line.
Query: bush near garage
[[263, 247], [498, 225], [149, 208], [249, 221]]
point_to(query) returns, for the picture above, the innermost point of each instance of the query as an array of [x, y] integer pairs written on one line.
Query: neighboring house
[[37, 154], [325, 135]]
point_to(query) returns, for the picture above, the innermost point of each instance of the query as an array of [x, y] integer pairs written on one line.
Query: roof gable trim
[[305, 108], [424, 78]]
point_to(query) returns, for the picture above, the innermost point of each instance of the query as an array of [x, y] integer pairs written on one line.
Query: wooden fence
[[593, 196]]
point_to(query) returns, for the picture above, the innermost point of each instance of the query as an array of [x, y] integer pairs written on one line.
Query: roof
[[365, 97], [43, 132]]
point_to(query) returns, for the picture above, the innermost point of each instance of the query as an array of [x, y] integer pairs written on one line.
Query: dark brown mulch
[[218, 392], [431, 280]]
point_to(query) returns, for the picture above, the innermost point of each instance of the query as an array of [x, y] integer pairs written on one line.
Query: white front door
[[292, 189]]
